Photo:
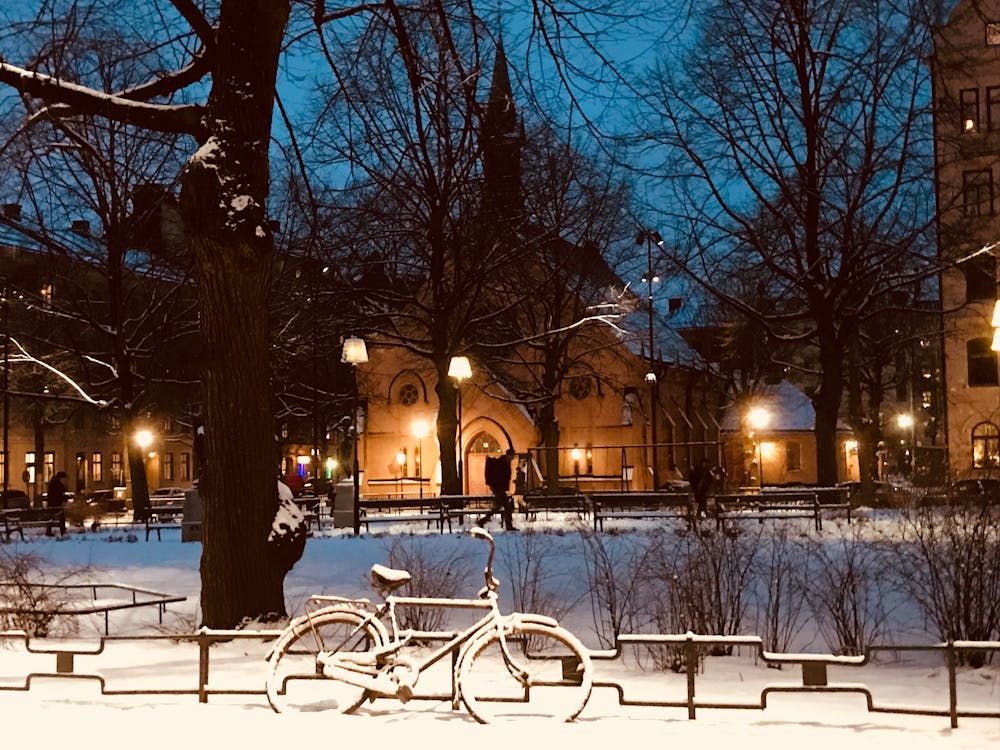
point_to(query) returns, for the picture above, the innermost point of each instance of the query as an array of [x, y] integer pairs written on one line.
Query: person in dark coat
[[497, 477], [701, 484], [55, 495]]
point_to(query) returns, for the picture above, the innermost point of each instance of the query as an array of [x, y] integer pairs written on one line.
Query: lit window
[[992, 34], [985, 445], [96, 467], [186, 466], [968, 104]]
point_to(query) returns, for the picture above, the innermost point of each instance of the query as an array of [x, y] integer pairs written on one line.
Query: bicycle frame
[[372, 670], [376, 670]]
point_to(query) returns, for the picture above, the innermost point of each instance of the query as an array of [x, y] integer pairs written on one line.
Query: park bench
[[555, 503], [403, 510], [460, 506], [164, 516], [639, 505], [781, 504], [311, 507], [16, 521]]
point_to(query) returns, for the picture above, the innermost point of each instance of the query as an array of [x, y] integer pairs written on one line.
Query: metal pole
[[654, 390], [356, 509], [461, 474]]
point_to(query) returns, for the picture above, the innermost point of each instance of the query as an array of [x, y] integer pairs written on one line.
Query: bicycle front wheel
[[546, 673], [295, 681]]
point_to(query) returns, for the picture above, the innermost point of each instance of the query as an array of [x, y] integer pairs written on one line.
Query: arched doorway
[[483, 444]]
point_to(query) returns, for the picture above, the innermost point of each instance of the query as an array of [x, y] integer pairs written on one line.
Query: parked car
[[14, 499], [167, 496], [106, 501], [318, 486]]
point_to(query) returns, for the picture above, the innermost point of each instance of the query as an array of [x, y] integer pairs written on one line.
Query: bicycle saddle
[[386, 580]]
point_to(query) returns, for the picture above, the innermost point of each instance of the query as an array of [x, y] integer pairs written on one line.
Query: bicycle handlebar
[[492, 584]]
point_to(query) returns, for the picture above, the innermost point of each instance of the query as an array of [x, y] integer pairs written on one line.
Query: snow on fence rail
[[71, 606], [690, 647]]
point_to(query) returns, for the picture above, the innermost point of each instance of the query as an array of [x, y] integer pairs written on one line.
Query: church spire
[[502, 140]]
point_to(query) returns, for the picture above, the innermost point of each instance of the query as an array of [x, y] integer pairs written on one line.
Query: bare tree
[[797, 139], [211, 72], [123, 296]]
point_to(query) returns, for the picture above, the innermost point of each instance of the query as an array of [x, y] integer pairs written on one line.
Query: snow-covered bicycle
[[342, 652]]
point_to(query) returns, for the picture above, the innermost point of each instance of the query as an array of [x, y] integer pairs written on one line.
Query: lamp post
[[459, 369], [575, 455], [649, 237], [905, 422], [759, 419], [420, 430], [355, 353]]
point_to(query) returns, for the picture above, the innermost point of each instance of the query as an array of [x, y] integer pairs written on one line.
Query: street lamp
[[355, 353], [420, 429], [459, 369], [905, 422], [758, 419], [651, 237]]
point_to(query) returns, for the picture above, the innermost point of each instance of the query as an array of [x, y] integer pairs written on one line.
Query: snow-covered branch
[[166, 118]]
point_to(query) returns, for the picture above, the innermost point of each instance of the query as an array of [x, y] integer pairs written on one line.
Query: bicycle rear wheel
[[294, 677], [559, 675]]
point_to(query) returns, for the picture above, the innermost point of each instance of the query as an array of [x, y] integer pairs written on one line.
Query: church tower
[[502, 144]]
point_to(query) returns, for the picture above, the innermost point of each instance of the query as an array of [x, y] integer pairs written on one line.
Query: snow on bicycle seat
[[388, 579]]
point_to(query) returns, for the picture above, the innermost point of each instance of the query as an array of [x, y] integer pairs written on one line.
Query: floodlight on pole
[[650, 237], [758, 418], [355, 353]]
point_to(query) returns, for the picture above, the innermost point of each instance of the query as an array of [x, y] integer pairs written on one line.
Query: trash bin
[[193, 516], [343, 504]]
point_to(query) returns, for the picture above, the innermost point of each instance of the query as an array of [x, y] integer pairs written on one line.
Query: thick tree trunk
[[826, 403], [224, 205], [548, 426], [447, 425]]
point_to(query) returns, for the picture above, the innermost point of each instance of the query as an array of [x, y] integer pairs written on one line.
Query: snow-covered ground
[[73, 712]]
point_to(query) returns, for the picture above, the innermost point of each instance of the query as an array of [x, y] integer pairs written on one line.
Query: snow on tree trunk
[[223, 203]]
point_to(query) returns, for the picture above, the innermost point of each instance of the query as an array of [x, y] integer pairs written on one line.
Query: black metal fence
[[688, 651]]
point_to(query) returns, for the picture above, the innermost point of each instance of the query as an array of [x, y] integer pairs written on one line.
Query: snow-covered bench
[[16, 521], [778, 504], [639, 505]]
